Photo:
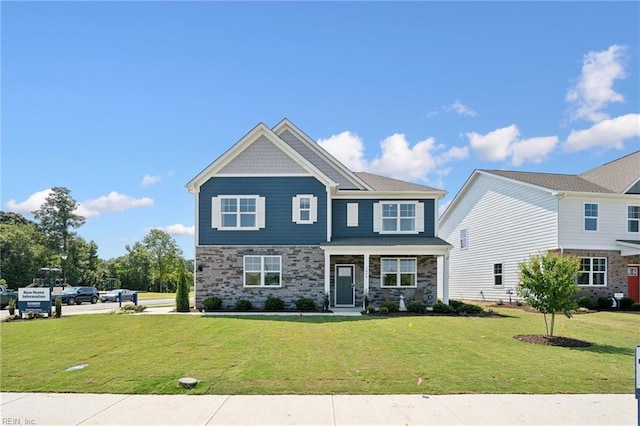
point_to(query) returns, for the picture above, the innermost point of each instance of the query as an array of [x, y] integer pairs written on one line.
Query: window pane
[[389, 224], [389, 265], [591, 210], [229, 220], [585, 264], [407, 279], [583, 279], [247, 204], [407, 265], [389, 280], [497, 280], [229, 205], [599, 264], [252, 263], [389, 210], [407, 224], [252, 278], [598, 278], [248, 220], [305, 203], [272, 263], [407, 210], [304, 215], [634, 226], [272, 278], [497, 268], [590, 224]]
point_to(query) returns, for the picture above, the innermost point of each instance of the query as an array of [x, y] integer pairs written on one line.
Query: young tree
[[182, 291], [548, 284], [57, 217]]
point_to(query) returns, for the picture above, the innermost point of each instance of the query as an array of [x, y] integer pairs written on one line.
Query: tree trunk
[[553, 320]]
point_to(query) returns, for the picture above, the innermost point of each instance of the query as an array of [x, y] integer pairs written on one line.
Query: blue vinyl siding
[[279, 228], [365, 219]]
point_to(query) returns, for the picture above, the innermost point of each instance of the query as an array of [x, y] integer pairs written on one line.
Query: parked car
[[112, 296], [77, 295], [6, 295]]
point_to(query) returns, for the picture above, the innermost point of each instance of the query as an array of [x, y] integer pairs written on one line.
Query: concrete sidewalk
[[323, 410]]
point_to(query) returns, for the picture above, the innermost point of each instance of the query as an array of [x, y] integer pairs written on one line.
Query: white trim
[[397, 195], [296, 209], [418, 217], [399, 273], [262, 271], [216, 213], [585, 217], [629, 219], [501, 275], [591, 272]]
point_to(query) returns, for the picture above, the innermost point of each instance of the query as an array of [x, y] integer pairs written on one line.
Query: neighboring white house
[[500, 218]]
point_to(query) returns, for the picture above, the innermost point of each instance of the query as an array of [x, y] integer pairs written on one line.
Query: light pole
[[64, 268]]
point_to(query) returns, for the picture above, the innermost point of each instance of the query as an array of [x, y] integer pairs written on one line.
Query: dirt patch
[[540, 339]]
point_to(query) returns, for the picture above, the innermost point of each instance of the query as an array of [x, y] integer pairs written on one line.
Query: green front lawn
[[317, 355]]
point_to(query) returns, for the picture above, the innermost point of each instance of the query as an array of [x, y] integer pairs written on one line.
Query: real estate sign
[[34, 299]]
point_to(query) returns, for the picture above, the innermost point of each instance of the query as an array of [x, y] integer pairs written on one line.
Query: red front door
[[633, 283]]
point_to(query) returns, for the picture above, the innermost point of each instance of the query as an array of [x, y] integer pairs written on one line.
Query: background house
[[276, 215], [500, 218]]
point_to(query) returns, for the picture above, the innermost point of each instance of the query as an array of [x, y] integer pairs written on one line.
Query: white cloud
[[594, 88], [113, 203], [180, 229], [150, 180], [534, 150], [495, 145], [505, 143], [348, 148], [455, 153], [32, 203], [606, 134], [460, 108], [400, 160]]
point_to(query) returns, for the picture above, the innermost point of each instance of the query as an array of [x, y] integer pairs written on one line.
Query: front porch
[[384, 268]]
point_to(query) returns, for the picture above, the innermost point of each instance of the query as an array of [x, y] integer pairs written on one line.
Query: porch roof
[[629, 247], [387, 245]]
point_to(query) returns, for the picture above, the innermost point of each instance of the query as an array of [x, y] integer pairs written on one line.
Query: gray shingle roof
[[557, 182], [381, 183], [616, 175]]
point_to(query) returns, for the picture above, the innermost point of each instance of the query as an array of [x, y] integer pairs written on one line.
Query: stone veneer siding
[[616, 273], [426, 279], [302, 271]]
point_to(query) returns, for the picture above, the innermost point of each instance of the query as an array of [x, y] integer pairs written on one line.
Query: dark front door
[[345, 285]]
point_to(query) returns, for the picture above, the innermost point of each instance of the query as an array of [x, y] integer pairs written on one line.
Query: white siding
[[506, 222], [612, 222]]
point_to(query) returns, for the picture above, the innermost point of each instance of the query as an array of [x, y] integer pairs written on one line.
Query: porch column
[[366, 274], [327, 273], [445, 278]]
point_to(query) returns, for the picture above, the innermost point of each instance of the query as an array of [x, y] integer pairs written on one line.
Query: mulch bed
[[539, 339]]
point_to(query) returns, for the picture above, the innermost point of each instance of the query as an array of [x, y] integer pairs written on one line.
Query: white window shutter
[[377, 217], [260, 212], [352, 214], [215, 212], [295, 209], [313, 214], [419, 217]]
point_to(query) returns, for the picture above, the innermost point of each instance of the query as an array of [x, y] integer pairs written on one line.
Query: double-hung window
[[262, 271], [590, 217], [398, 217], [464, 242], [497, 274], [593, 271], [304, 209], [238, 212], [399, 272], [633, 219]]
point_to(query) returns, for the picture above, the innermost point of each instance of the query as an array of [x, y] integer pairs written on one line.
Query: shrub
[[465, 308], [243, 305], [417, 307], [273, 304], [130, 308], [58, 307], [182, 293], [391, 306], [626, 303], [635, 307], [371, 309], [306, 304], [12, 306], [212, 303], [605, 303], [519, 302], [499, 302], [442, 308], [584, 302], [384, 310]]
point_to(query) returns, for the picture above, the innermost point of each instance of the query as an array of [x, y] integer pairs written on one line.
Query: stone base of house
[[221, 275], [616, 273]]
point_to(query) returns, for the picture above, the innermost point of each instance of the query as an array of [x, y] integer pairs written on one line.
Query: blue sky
[[124, 102]]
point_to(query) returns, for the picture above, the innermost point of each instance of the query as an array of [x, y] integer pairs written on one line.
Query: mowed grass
[[146, 354]]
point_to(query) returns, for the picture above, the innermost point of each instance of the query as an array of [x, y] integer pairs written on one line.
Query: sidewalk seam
[[104, 409], [219, 408]]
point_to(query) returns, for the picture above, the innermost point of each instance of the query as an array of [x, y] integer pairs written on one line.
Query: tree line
[[51, 241]]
